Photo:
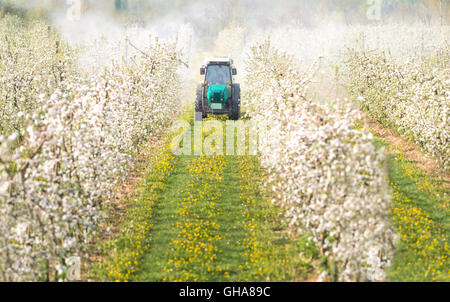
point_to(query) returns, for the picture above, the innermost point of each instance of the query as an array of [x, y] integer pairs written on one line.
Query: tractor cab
[[218, 70], [218, 94]]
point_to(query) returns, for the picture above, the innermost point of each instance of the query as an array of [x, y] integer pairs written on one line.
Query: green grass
[[421, 218], [121, 255], [230, 221], [250, 242], [280, 253], [163, 231]]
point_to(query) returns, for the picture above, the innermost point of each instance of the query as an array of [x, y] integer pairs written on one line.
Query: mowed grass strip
[[163, 232], [122, 255], [421, 217], [271, 251], [193, 254], [198, 224], [213, 223]]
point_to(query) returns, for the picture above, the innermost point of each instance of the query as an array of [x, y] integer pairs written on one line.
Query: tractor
[[218, 94]]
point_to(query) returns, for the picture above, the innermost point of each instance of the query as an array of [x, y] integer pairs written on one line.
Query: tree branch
[[38, 149]]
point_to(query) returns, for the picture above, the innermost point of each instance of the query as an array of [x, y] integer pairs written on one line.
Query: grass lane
[[198, 224], [205, 218], [156, 258], [208, 219], [420, 215], [224, 230]]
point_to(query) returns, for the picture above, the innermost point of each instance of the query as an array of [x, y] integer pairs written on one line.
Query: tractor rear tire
[[199, 113], [235, 110]]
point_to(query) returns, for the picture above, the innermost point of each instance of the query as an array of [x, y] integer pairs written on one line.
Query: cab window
[[218, 74]]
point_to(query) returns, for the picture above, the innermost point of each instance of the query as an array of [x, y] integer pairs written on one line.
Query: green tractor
[[218, 94]]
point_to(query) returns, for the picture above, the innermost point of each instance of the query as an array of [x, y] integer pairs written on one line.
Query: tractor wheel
[[199, 114], [235, 110]]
